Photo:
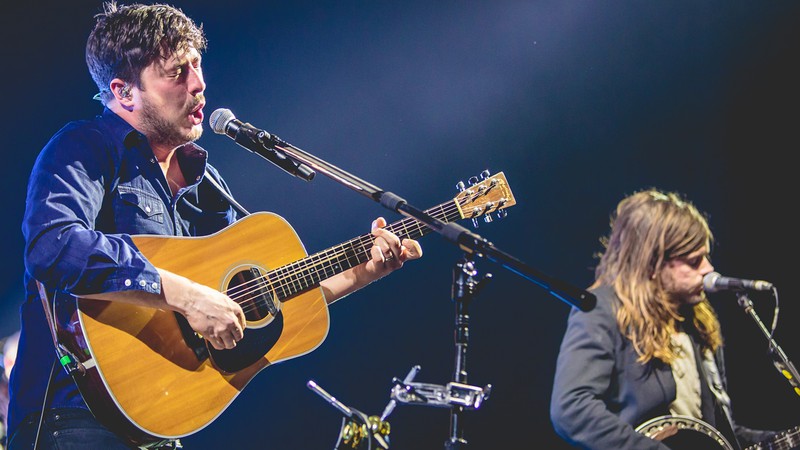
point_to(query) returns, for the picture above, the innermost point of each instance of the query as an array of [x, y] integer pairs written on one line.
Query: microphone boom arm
[[466, 240], [297, 162]]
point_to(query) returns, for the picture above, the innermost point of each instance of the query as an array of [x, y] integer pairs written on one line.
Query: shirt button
[[147, 209], [154, 285], [142, 283], [127, 282]]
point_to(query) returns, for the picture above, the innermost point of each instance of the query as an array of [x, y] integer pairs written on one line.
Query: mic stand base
[[454, 443]]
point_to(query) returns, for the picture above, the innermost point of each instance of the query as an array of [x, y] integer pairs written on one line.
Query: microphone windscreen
[[710, 282], [219, 120]]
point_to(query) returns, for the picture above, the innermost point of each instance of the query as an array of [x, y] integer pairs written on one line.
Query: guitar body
[[150, 376]]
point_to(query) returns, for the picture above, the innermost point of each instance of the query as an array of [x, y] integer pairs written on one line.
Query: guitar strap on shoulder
[[718, 396], [239, 208], [711, 368]]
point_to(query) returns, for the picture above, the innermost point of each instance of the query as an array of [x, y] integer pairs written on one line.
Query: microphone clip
[[269, 148], [269, 140]]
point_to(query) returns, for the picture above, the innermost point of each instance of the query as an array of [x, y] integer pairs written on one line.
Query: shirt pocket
[[138, 211]]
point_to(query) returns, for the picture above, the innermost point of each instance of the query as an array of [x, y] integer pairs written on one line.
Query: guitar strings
[[448, 212], [342, 254], [243, 293]]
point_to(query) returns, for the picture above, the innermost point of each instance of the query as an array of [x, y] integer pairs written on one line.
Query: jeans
[[65, 429]]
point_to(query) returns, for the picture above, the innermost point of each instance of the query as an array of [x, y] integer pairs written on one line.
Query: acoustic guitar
[[148, 376]]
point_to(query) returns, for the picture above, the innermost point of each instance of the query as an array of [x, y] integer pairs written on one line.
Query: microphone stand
[[781, 361], [470, 242], [457, 395], [465, 287]]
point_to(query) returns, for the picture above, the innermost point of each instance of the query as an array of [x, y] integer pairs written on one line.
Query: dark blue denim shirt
[[94, 184]]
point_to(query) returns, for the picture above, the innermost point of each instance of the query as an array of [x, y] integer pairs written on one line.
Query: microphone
[[714, 282], [258, 141]]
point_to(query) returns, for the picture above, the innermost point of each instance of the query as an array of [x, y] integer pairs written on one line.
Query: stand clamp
[[449, 395]]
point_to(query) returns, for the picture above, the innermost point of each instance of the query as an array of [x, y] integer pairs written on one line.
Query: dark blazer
[[601, 393]]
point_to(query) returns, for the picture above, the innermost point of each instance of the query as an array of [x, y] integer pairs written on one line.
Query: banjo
[[687, 433]]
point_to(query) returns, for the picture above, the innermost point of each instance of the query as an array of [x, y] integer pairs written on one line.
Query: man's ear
[[122, 92]]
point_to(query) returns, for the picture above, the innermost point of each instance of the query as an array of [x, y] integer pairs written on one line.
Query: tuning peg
[[485, 174], [460, 186], [502, 214], [488, 218], [473, 180]]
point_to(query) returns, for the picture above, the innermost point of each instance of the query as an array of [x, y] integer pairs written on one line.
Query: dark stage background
[[578, 102]]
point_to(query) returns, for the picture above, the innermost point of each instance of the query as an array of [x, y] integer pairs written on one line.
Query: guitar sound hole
[[248, 288], [265, 322]]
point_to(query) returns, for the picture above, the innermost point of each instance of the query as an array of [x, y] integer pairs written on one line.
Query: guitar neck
[[785, 439], [308, 272]]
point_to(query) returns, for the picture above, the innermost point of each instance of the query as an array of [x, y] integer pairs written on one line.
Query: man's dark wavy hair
[[128, 38]]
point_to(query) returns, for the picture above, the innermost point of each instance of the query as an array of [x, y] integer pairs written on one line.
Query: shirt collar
[[122, 130]]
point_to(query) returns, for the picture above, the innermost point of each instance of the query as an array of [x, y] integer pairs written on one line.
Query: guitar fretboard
[[263, 291], [308, 272]]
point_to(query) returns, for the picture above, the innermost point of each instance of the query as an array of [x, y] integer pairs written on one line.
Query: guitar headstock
[[484, 196]]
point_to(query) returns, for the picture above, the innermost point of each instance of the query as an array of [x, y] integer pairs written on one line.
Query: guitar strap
[[48, 312], [239, 208], [63, 357], [69, 363], [715, 401]]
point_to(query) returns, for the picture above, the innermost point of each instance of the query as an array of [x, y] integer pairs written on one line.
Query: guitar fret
[[446, 218], [401, 230], [362, 242], [293, 277], [338, 262], [355, 255], [275, 285], [325, 266], [303, 276]]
